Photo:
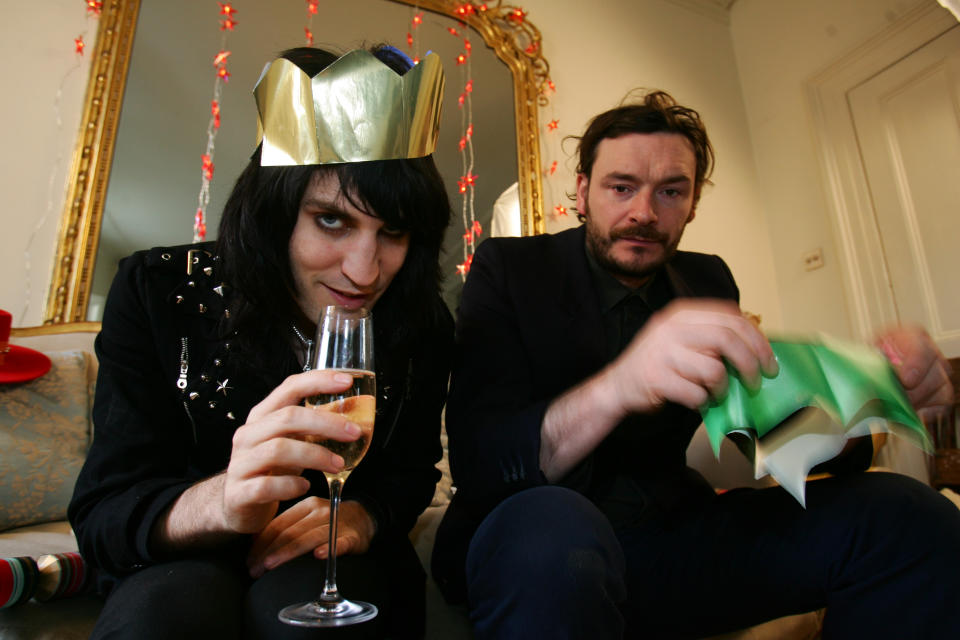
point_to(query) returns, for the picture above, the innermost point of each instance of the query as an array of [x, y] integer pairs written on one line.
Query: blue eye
[[329, 221]]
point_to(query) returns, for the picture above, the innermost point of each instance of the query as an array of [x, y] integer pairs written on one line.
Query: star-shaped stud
[[222, 386]]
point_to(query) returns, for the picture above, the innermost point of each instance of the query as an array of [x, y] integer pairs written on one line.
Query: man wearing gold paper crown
[[581, 360], [191, 506]]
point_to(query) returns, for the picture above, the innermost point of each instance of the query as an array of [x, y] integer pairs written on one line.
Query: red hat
[[18, 364]]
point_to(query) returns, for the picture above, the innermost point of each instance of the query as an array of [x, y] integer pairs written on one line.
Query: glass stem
[[330, 592]]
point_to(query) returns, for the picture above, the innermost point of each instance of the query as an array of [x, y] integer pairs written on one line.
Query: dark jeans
[[880, 551], [215, 598]]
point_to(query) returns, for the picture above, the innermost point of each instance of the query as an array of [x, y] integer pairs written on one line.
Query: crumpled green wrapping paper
[[834, 390]]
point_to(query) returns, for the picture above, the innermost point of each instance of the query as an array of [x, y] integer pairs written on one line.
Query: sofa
[[45, 429]]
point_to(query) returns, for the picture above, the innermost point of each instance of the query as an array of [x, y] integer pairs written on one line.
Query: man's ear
[[583, 186]]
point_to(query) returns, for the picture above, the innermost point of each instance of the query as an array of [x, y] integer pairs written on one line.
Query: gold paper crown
[[356, 109]]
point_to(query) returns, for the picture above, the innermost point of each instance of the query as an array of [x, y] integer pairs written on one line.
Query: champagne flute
[[344, 342]]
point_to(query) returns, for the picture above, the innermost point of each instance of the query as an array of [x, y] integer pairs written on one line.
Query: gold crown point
[[355, 110]]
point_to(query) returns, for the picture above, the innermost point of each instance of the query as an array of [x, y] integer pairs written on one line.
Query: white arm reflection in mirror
[[505, 220], [953, 6]]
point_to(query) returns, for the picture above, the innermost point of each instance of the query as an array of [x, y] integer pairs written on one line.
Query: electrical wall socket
[[813, 259]]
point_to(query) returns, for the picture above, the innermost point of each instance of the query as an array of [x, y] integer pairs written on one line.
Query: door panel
[[907, 121]]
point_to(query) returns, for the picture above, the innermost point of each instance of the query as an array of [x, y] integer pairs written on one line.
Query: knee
[[546, 538], [887, 510]]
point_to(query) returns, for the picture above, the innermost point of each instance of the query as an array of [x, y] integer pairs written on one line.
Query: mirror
[[144, 123]]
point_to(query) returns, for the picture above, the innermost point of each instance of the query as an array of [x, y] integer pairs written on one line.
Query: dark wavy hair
[[655, 112], [262, 210]]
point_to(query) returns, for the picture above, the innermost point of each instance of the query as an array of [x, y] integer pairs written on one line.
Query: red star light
[[469, 86], [409, 39], [309, 35], [417, 20], [466, 10], [462, 144], [221, 58], [553, 124], [226, 9], [78, 45], [532, 47], [228, 24], [312, 7], [215, 112], [199, 226], [207, 166], [560, 210], [477, 229], [517, 15], [467, 46], [94, 7], [224, 74], [470, 130], [461, 59], [553, 168], [461, 99], [453, 32]]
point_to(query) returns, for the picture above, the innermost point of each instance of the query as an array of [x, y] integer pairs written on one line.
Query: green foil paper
[[826, 392]]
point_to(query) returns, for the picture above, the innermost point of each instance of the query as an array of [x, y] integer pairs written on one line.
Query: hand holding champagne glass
[[345, 343]]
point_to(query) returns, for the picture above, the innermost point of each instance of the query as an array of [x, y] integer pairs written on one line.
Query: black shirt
[[633, 469]]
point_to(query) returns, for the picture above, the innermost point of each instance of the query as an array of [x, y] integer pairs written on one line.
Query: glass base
[[319, 614]]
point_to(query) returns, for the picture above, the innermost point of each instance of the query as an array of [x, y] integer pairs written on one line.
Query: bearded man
[[581, 360]]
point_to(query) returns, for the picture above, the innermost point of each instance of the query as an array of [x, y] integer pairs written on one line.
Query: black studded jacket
[[170, 394]]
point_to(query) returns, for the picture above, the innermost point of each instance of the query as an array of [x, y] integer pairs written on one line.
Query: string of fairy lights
[[227, 22], [466, 183], [468, 177]]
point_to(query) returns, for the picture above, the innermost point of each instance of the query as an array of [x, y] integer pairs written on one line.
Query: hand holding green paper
[[838, 390]]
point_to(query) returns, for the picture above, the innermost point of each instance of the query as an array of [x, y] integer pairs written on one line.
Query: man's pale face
[[637, 201], [340, 254]]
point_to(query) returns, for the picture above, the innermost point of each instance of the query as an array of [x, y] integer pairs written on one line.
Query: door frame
[[870, 298]]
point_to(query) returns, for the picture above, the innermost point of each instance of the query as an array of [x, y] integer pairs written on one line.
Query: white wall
[[597, 53], [36, 45], [779, 45]]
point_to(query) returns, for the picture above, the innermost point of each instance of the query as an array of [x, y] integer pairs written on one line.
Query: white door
[[907, 121]]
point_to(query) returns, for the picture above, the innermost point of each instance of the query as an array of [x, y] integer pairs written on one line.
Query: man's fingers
[[302, 385], [283, 454]]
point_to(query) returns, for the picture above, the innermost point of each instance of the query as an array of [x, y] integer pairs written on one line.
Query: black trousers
[[880, 551], [214, 597]]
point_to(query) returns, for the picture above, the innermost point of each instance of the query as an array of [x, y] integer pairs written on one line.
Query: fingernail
[[773, 367], [352, 429], [891, 354], [342, 378]]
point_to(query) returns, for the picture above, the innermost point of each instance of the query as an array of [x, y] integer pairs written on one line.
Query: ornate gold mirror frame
[[504, 29]]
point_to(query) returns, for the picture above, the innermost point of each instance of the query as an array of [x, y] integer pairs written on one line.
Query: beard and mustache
[[642, 265]]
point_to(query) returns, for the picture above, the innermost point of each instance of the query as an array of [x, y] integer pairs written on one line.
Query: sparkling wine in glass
[[345, 343]]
